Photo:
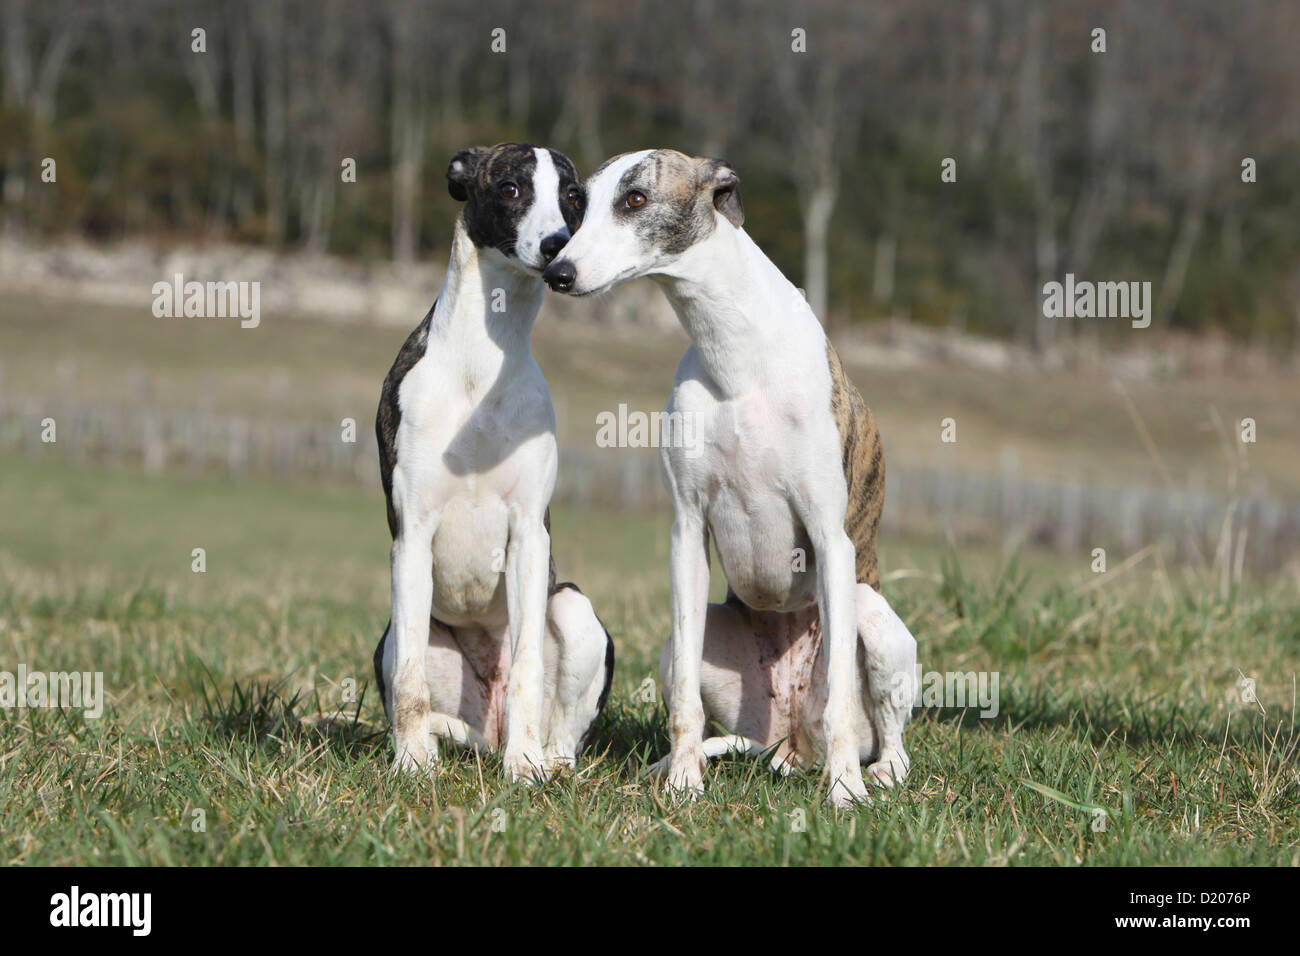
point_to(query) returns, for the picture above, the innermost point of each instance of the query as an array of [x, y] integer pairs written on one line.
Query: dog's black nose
[[553, 243], [560, 275]]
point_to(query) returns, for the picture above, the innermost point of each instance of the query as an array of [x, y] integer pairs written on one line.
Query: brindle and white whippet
[[806, 658]]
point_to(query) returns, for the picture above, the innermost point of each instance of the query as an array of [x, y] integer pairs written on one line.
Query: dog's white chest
[[469, 433], [472, 456], [750, 460]]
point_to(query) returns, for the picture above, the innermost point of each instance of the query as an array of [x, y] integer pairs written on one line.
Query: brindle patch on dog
[[389, 415], [864, 468], [679, 208]]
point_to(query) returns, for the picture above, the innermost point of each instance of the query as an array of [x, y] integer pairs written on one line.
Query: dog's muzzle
[[560, 275]]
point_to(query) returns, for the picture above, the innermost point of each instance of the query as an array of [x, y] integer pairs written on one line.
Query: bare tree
[[820, 129], [823, 95], [411, 103], [582, 87], [270, 24], [31, 83], [1036, 159]]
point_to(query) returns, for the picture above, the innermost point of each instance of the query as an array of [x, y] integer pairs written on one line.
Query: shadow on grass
[[1140, 722], [263, 715], [259, 714], [629, 736]]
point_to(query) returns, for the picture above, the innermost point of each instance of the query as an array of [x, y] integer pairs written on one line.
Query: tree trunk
[[1038, 166], [818, 207], [886, 263], [882, 277], [1180, 256], [408, 161], [273, 82], [520, 88], [243, 112], [406, 195], [34, 91]]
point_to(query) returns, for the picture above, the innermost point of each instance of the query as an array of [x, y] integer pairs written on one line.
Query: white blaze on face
[[543, 217], [605, 249]]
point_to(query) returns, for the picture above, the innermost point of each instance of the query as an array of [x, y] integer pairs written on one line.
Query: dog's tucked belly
[[468, 670], [765, 678], [469, 558]]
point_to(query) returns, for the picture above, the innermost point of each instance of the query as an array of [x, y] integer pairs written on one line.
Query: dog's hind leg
[[579, 666], [889, 651]]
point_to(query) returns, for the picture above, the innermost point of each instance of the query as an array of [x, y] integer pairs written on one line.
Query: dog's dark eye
[[574, 197], [509, 191], [634, 200]]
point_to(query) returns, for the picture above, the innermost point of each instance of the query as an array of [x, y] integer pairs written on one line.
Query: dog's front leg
[[527, 566], [412, 603], [837, 605], [689, 579]]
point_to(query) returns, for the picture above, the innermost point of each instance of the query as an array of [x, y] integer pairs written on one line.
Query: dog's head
[[521, 200], [644, 211]]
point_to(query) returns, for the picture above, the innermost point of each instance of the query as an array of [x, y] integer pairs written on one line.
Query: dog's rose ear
[[461, 171], [719, 177]]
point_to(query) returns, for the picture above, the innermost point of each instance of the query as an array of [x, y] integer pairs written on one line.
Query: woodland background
[[1121, 165]]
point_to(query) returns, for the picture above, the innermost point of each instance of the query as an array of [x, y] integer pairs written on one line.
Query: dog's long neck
[[737, 308], [486, 308]]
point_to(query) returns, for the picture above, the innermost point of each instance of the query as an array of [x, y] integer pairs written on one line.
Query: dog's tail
[[729, 744], [446, 727], [378, 660]]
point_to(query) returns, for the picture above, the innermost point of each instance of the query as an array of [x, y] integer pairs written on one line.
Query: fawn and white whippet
[[483, 647], [805, 658]]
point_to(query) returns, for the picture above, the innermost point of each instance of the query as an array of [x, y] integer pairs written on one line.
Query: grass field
[[226, 696]]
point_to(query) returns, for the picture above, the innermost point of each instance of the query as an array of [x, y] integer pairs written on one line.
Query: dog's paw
[[557, 762], [526, 766], [847, 789], [686, 775], [415, 757], [889, 770]]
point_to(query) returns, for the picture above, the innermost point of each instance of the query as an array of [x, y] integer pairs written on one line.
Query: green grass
[[225, 695]]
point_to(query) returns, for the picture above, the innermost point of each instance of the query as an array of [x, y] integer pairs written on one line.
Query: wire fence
[[1260, 532]]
